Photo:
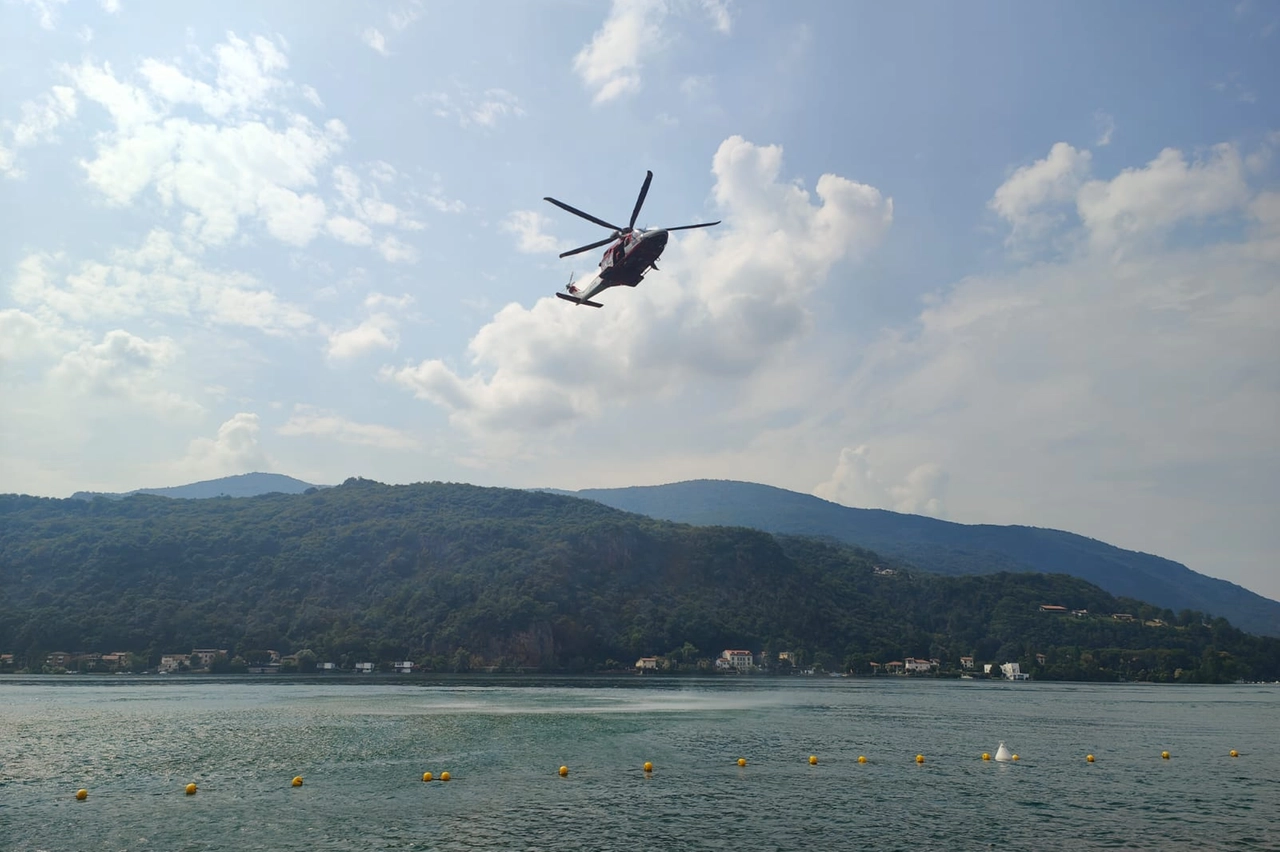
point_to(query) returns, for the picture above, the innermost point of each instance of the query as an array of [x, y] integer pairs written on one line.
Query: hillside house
[[647, 664], [404, 667], [364, 668], [737, 660], [911, 664], [204, 657], [1053, 608], [173, 662], [966, 662], [1013, 671]]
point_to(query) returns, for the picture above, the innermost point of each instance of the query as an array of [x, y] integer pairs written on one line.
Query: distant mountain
[[244, 485], [457, 577], [945, 547]]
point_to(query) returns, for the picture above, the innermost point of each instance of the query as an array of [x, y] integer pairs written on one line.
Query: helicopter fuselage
[[628, 259]]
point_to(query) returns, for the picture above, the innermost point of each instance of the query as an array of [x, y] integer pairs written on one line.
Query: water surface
[[363, 745]]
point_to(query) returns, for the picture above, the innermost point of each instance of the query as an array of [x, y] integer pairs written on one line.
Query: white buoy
[[1002, 753]]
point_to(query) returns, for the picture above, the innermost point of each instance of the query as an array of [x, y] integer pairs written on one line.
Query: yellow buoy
[[813, 759], [862, 758], [445, 776], [1235, 753], [1164, 754], [1015, 757], [82, 794], [1089, 758], [648, 767], [297, 780], [986, 755], [427, 776], [564, 770], [742, 761], [919, 758], [191, 789]]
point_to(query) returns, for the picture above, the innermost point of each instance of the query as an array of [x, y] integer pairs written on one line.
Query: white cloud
[[529, 227], [1168, 190], [396, 251], [24, 337], [111, 7], [349, 231], [46, 11], [157, 279], [234, 450], [380, 330], [40, 119], [718, 11], [222, 171], [1106, 126], [610, 64], [374, 38], [724, 306], [474, 110], [403, 17], [315, 422], [1115, 390], [854, 482], [1021, 200], [123, 367], [8, 165]]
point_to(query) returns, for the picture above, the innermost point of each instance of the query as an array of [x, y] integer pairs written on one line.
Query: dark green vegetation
[[244, 485], [948, 548], [456, 576]]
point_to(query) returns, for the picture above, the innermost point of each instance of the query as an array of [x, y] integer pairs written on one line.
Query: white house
[[364, 668], [1013, 671], [405, 667], [911, 664], [647, 664], [739, 660]]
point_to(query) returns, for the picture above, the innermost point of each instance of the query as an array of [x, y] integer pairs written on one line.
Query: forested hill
[[243, 485], [453, 576], [945, 547]]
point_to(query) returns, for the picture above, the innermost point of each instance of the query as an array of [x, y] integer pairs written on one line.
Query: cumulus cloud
[[724, 306], [157, 279], [379, 330], [1027, 200], [233, 450], [610, 64], [123, 367], [1114, 389], [854, 482], [1148, 201], [218, 143], [311, 421], [233, 167]]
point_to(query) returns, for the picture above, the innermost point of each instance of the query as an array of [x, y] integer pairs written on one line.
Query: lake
[[362, 746]]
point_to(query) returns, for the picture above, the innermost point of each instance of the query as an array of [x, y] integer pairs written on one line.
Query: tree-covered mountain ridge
[[456, 576], [947, 547]]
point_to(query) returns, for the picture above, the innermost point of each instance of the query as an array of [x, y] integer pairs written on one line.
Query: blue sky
[[996, 263]]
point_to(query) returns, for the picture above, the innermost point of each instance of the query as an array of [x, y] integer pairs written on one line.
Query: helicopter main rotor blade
[[644, 190], [581, 249], [575, 211], [687, 227]]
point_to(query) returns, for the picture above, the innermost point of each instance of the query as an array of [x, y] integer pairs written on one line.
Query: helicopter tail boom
[[578, 301]]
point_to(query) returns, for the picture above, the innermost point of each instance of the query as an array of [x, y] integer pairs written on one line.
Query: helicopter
[[634, 251]]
